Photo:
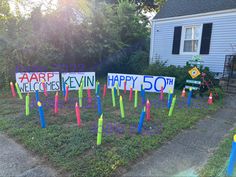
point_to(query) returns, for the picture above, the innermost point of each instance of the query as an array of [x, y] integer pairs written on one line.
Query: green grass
[[73, 150], [217, 163]]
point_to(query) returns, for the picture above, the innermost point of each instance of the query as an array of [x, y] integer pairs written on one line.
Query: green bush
[[160, 69], [129, 63], [138, 62], [180, 73]]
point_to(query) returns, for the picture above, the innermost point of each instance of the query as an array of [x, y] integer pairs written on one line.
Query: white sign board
[[31, 81], [150, 83], [74, 79]]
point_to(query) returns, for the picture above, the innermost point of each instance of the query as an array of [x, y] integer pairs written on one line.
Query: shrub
[[160, 69], [138, 62], [180, 73]]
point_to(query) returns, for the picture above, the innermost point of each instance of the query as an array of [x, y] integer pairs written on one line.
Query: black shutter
[[206, 38], [176, 40]]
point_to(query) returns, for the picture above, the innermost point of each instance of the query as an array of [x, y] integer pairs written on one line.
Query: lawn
[[73, 150], [218, 162]]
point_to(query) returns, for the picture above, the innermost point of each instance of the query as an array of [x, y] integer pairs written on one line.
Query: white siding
[[223, 40]]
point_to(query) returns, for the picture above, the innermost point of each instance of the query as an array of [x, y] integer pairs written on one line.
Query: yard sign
[[31, 81], [150, 83], [194, 72], [74, 79]]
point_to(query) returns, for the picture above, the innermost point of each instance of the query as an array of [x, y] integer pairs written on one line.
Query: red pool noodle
[[104, 90], [130, 94], [44, 89], [89, 96], [161, 93], [77, 111], [148, 110], [125, 87], [67, 93], [56, 103], [13, 89]]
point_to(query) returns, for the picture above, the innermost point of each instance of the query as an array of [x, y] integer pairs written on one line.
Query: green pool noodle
[[172, 107], [113, 97], [99, 134], [117, 88], [136, 99], [18, 91], [122, 108], [27, 105], [80, 96]]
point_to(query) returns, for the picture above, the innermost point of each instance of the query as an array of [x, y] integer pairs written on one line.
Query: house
[[186, 28]]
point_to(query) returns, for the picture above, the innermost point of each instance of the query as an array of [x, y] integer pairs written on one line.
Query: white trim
[[199, 16], [152, 43], [183, 39]]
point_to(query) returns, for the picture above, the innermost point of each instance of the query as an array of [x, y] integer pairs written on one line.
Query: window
[[191, 39]]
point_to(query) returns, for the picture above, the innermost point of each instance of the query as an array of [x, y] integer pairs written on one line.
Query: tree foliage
[[142, 5], [69, 35]]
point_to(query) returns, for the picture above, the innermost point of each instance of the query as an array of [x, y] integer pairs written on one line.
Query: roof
[[175, 8]]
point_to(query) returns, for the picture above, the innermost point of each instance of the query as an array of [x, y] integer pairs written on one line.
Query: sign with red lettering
[[31, 81]]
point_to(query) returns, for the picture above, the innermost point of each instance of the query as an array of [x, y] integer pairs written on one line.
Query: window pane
[[197, 32], [188, 33], [190, 45]]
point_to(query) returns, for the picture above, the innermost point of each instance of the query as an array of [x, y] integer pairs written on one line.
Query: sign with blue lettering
[[150, 83], [74, 80]]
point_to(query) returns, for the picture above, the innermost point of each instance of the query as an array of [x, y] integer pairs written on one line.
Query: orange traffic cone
[[210, 99], [183, 93]]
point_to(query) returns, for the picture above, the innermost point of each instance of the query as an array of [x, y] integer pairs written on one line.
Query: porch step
[[230, 92], [232, 85], [233, 81], [225, 80], [231, 89]]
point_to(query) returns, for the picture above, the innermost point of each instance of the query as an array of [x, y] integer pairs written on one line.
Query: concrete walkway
[[189, 151], [16, 161]]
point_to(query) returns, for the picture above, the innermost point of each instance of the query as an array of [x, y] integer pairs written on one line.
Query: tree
[[59, 37], [4, 8], [4, 14], [142, 5]]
